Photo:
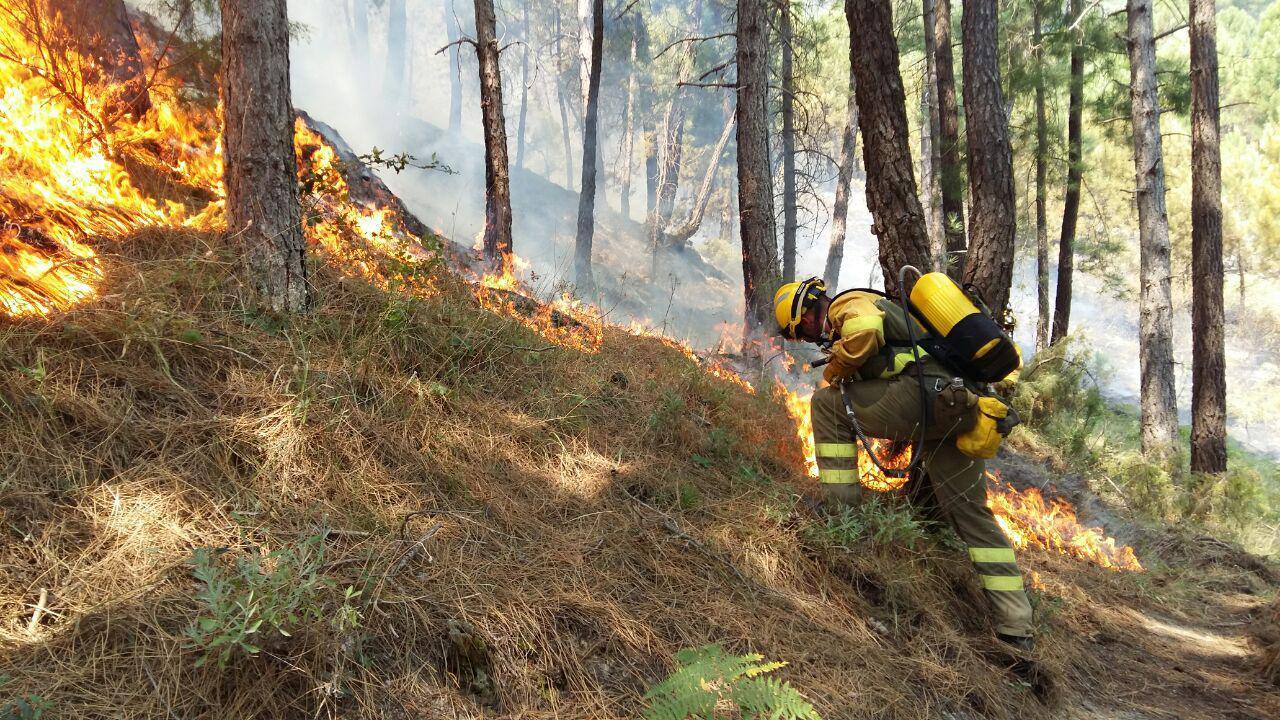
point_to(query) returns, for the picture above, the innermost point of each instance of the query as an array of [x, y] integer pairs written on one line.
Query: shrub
[[255, 595], [880, 519], [709, 682]]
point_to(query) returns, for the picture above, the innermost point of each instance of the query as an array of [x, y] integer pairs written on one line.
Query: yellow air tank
[[963, 336]]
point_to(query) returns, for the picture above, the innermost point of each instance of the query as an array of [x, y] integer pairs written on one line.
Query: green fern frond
[[707, 676]]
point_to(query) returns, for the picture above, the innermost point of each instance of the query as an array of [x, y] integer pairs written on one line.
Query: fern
[[709, 680]]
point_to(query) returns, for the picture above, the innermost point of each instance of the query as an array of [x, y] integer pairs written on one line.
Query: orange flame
[[1029, 520], [565, 321], [869, 476]]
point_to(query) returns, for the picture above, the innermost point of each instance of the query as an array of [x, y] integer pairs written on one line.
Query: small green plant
[[880, 520], [27, 707], [255, 595], [712, 684]]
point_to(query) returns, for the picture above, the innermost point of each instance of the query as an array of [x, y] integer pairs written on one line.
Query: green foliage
[[253, 595], [879, 519], [26, 707], [710, 683]]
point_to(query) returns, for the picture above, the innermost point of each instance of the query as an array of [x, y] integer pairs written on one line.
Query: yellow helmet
[[790, 302]]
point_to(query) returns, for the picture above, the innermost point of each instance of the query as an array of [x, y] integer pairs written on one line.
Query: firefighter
[[872, 366]]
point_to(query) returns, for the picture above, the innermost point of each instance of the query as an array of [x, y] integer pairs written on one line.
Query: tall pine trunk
[[882, 118], [1075, 173], [952, 180], [1208, 365], [497, 172], [455, 68], [790, 215], [1155, 301], [1042, 161], [647, 130], [930, 150], [397, 50], [840, 211], [260, 170], [524, 83], [760, 272], [583, 276], [989, 263], [629, 133], [671, 152]]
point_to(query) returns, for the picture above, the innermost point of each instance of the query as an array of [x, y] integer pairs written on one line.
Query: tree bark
[[1042, 161], [397, 55], [455, 69], [583, 277], [930, 150], [840, 212], [760, 272], [882, 118], [497, 189], [260, 171], [1155, 331], [1208, 369], [646, 124], [790, 215], [100, 29], [949, 140], [989, 263], [1075, 171], [629, 134], [524, 83]]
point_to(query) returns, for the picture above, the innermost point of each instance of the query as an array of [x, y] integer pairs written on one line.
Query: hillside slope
[[527, 530]]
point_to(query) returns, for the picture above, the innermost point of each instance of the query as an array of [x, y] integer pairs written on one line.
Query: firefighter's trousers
[[890, 408]]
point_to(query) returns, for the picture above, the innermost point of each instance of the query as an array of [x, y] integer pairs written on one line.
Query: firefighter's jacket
[[869, 337]]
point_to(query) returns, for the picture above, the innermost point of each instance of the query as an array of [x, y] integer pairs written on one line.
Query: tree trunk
[[882, 118], [989, 263], [671, 154], [678, 236], [497, 187], [560, 101], [629, 134], [583, 277], [760, 272], [646, 124], [840, 212], [584, 73], [790, 219], [949, 140], [1075, 170], [100, 29], [930, 150], [260, 171], [1155, 331], [1042, 160], [1208, 369], [524, 83], [455, 69], [397, 55]]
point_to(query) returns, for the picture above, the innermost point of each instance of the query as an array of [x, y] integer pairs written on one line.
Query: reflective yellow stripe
[[837, 450], [900, 361], [991, 555], [837, 476], [1001, 583]]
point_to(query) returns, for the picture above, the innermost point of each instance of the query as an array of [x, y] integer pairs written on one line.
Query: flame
[[63, 177], [565, 321], [1029, 520], [66, 178]]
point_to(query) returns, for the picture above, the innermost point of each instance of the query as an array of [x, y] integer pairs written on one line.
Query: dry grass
[[517, 518]]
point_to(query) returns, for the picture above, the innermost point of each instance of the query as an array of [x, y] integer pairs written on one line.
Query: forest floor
[[526, 529]]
